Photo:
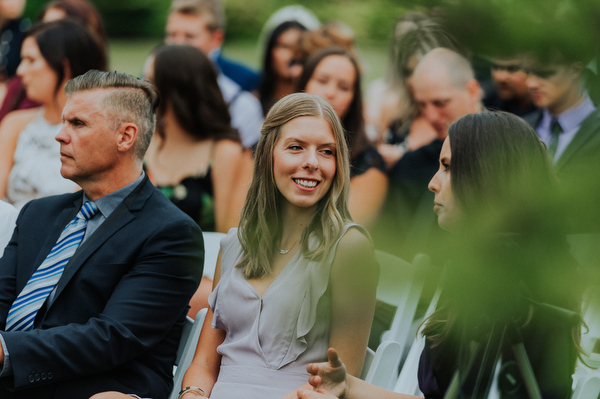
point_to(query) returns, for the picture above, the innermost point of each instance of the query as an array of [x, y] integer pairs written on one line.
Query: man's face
[[88, 143], [441, 103], [552, 87], [191, 29], [510, 79]]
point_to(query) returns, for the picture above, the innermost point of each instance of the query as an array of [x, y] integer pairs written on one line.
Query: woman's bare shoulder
[[14, 122]]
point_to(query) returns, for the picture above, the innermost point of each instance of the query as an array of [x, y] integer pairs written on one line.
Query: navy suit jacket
[[577, 170], [245, 77], [119, 307]]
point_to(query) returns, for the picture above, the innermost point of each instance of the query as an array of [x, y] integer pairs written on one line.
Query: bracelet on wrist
[[196, 390]]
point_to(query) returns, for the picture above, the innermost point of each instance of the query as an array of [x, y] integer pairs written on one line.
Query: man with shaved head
[[444, 88]]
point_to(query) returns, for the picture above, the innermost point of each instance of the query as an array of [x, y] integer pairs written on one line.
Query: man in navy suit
[[568, 122], [113, 319]]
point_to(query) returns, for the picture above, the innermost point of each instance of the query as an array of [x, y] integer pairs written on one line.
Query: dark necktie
[[555, 130]]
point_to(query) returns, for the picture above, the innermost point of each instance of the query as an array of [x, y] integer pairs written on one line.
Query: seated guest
[[12, 29], [81, 11], [508, 271], [282, 65], [334, 74], [444, 89], [568, 123], [400, 126], [297, 276], [8, 216], [200, 23], [114, 266], [196, 158], [510, 81], [52, 53]]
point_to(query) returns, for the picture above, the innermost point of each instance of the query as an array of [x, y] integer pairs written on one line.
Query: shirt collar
[[571, 118], [108, 203]]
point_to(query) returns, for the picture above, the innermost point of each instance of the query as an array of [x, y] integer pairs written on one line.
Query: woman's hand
[[328, 376]]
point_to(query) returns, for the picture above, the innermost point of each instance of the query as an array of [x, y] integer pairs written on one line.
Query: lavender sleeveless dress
[[270, 340]]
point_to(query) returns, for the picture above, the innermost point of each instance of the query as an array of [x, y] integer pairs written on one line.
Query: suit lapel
[[585, 134], [120, 217]]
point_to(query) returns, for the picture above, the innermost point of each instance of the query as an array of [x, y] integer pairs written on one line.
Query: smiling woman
[[304, 163], [297, 273], [52, 54]]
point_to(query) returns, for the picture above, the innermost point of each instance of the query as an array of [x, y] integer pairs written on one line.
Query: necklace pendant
[[284, 251]]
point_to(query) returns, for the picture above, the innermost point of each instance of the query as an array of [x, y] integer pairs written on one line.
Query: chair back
[[379, 367], [401, 284], [212, 244], [186, 349]]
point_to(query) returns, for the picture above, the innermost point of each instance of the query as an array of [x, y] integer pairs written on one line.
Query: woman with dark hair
[[495, 192], [334, 74], [52, 54], [281, 69], [195, 157], [81, 11]]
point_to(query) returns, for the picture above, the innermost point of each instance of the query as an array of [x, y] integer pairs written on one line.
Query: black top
[[370, 158], [194, 196]]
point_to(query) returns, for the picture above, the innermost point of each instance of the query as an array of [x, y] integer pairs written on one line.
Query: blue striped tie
[[24, 309]]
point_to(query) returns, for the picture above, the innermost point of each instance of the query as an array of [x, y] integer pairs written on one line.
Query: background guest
[[52, 53], [334, 74], [195, 157], [200, 23], [282, 65]]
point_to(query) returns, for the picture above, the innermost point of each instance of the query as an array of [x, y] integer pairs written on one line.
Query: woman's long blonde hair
[[260, 223]]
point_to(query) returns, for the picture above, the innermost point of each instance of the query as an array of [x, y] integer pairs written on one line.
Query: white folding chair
[[186, 349], [212, 244], [587, 387], [379, 367], [401, 284], [407, 382]]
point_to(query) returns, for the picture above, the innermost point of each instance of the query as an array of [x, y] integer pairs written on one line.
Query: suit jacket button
[[50, 375], [44, 376], [37, 377], [31, 378]]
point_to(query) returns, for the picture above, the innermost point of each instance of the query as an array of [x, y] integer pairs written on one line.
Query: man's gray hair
[[132, 100]]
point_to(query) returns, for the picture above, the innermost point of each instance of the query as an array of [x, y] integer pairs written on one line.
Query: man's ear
[[128, 133], [575, 70], [217, 37], [474, 90]]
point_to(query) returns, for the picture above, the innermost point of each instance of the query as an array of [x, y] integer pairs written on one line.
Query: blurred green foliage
[[487, 27], [372, 20]]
